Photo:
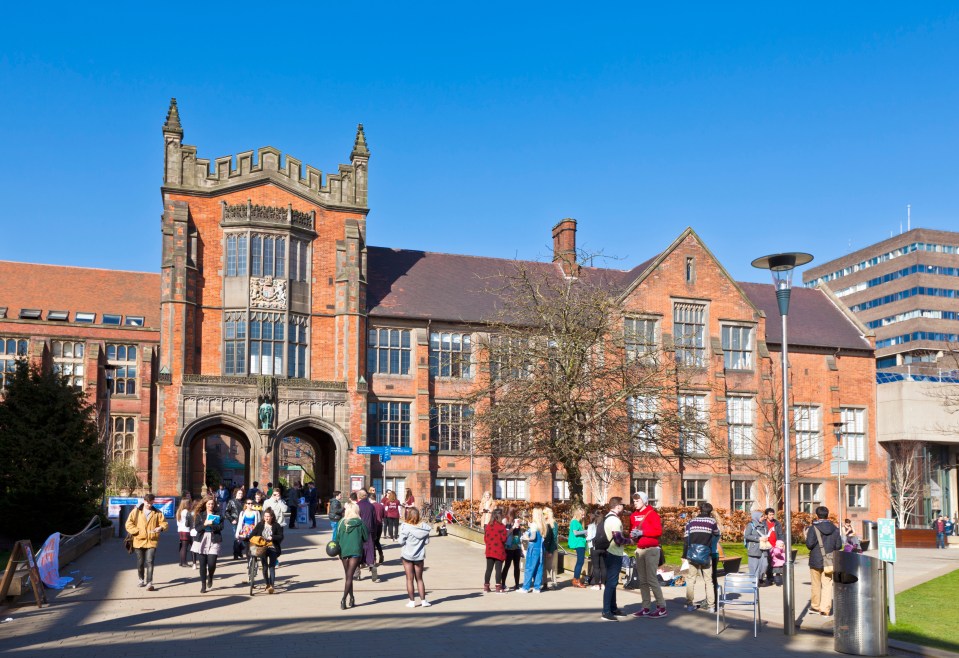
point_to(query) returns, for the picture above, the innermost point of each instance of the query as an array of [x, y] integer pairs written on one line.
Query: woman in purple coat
[[368, 516]]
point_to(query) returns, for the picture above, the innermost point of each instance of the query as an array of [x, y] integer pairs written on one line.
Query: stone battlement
[[184, 171]]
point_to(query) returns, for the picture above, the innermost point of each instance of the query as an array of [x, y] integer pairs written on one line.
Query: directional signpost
[[887, 553], [385, 454], [839, 467]]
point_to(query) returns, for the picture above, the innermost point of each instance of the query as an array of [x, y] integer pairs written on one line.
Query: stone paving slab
[[109, 616]]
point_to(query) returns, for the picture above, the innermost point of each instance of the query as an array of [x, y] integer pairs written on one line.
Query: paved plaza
[[108, 615]]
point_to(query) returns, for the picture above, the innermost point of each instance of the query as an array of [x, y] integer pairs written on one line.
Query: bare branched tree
[[906, 467], [757, 452], [560, 383]]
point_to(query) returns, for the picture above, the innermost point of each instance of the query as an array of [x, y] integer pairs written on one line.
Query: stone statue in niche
[[266, 414]]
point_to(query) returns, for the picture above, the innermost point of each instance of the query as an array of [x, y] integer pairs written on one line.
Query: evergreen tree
[[51, 459]]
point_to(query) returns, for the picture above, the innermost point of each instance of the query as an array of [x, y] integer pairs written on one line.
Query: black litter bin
[[859, 604]]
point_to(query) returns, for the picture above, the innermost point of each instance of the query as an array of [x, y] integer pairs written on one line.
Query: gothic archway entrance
[[219, 455], [311, 450], [218, 448]]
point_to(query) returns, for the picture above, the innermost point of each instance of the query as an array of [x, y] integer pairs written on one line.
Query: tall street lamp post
[[781, 266]]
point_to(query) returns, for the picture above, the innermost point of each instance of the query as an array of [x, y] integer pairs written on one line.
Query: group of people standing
[[506, 534], [765, 547], [359, 524], [504, 537]]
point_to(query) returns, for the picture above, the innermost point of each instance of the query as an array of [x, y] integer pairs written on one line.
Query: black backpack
[[601, 541]]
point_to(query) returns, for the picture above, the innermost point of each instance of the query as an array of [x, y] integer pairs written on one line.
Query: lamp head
[[781, 266]]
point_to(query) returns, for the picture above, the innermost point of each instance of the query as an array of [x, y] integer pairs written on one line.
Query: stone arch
[[340, 443], [230, 424]]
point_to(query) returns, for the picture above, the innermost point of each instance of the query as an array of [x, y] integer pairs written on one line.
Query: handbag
[[764, 544], [699, 555], [827, 566], [128, 540]]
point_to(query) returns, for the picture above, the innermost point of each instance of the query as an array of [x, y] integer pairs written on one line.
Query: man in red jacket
[[645, 527]]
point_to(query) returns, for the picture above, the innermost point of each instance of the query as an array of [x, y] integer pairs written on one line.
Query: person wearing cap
[[646, 528]]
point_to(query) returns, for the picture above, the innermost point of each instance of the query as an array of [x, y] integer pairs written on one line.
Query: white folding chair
[[739, 590]]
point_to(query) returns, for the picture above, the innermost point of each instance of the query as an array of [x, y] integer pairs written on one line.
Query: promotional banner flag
[[48, 562]]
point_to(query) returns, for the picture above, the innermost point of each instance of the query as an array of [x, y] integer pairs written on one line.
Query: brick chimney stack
[[564, 246]]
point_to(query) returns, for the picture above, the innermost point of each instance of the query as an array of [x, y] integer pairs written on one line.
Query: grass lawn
[[927, 614]]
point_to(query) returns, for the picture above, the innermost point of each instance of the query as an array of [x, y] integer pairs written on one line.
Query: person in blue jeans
[[533, 576], [577, 542], [939, 525], [613, 529]]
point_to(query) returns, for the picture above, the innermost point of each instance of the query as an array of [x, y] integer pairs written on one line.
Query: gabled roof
[[406, 284], [403, 283], [79, 289]]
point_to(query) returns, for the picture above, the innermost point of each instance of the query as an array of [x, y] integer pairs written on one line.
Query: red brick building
[[99, 328], [277, 321]]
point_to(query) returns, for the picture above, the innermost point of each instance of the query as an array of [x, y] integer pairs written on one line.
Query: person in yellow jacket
[[145, 525]]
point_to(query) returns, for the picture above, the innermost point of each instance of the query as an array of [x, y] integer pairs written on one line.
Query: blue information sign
[[384, 451]]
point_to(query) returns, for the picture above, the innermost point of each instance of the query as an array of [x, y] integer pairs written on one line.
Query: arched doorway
[[310, 449], [219, 455], [218, 447]]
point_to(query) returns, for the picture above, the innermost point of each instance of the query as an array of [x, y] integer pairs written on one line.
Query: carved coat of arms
[[267, 292]]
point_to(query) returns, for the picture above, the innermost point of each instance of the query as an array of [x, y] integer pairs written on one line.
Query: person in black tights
[[351, 533], [514, 552], [206, 543], [495, 535]]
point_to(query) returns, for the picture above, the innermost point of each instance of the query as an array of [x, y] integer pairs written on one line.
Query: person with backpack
[[646, 528], [698, 551], [610, 538], [822, 539], [597, 561], [335, 514], [312, 499], [184, 523]]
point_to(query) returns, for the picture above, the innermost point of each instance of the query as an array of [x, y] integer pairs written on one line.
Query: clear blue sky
[[765, 128]]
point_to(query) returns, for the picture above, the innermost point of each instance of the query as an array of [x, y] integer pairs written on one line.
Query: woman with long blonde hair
[[486, 508], [351, 533], [550, 546], [533, 578]]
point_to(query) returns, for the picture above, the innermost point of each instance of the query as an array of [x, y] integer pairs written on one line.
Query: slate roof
[[73, 289], [411, 284], [814, 320]]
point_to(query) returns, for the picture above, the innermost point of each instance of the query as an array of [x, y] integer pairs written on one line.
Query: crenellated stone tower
[[263, 285]]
